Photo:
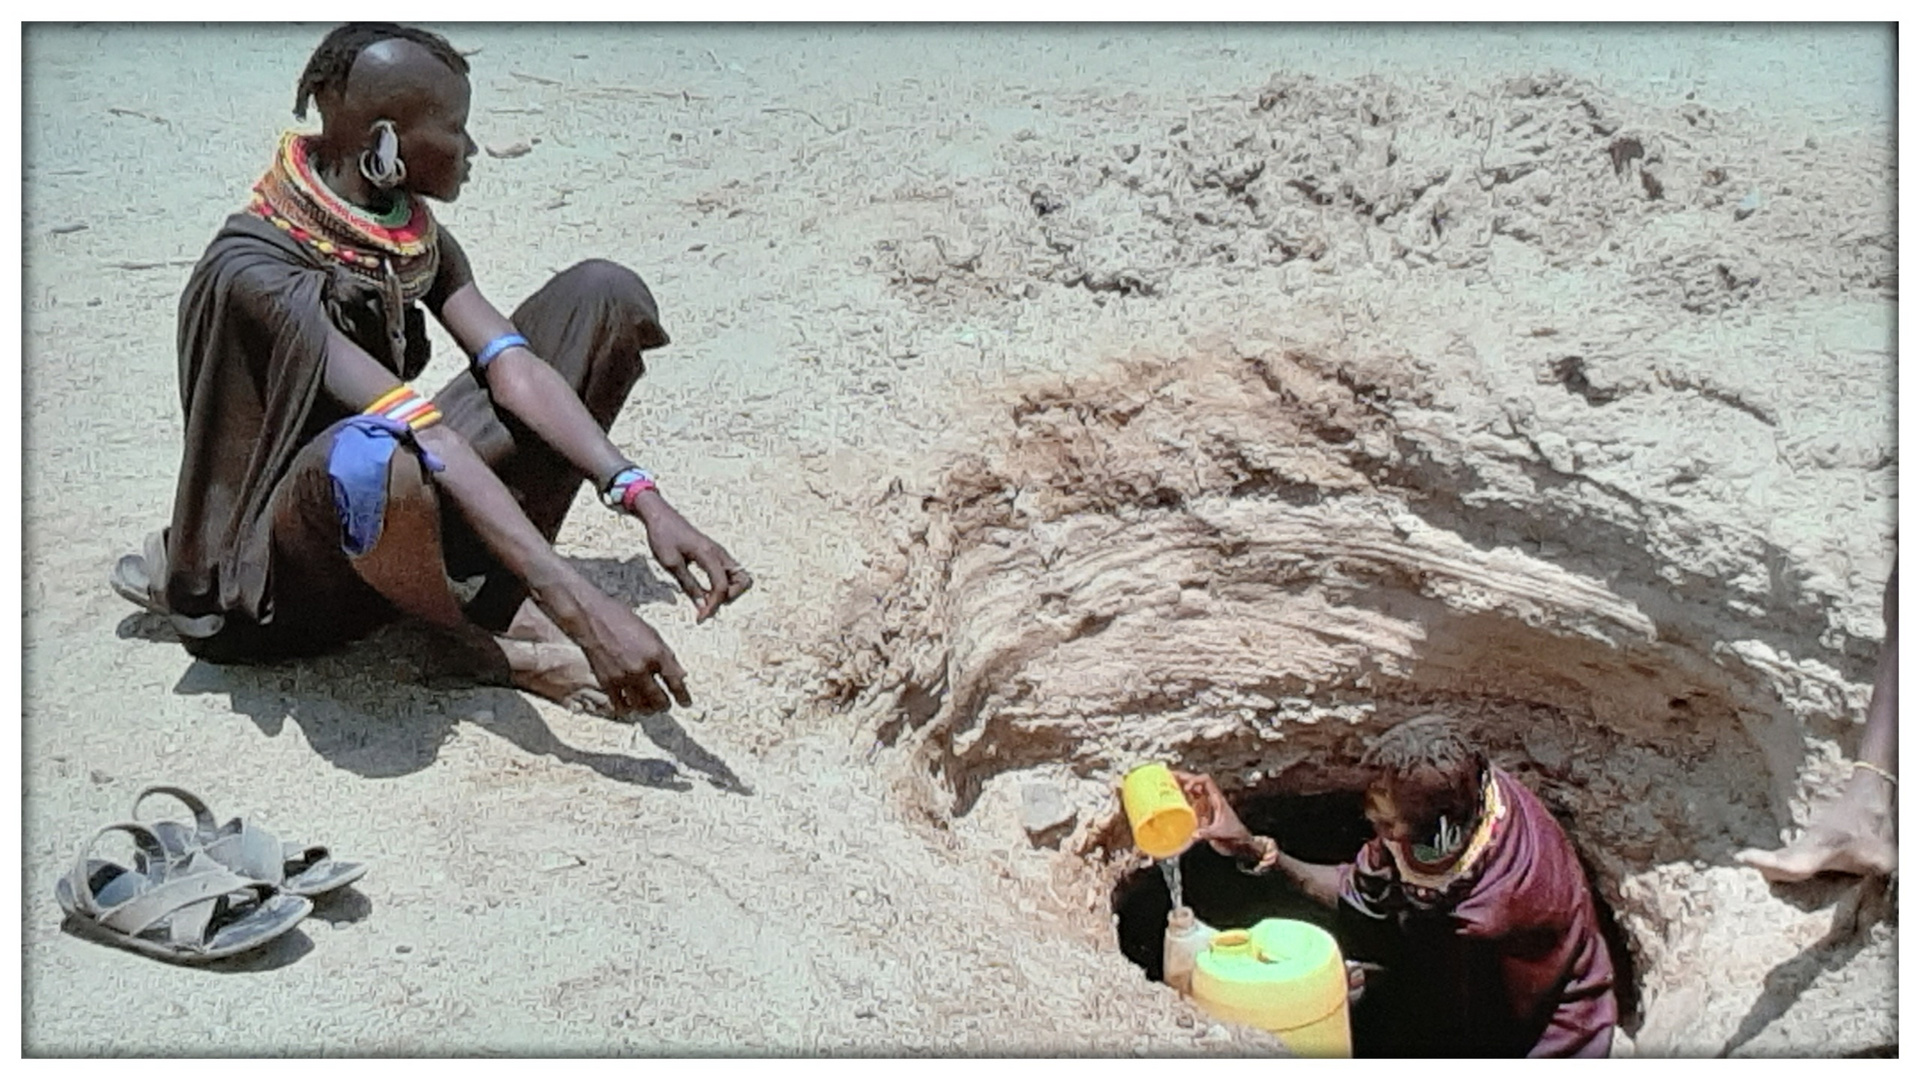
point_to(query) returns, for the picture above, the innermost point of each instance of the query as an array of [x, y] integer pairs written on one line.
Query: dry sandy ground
[[831, 219]]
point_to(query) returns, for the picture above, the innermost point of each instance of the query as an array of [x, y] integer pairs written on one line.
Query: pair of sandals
[[199, 891]]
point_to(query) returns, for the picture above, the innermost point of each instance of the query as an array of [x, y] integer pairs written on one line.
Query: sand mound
[[1338, 175]]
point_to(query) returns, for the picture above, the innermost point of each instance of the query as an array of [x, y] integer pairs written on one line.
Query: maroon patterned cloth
[[1506, 961]]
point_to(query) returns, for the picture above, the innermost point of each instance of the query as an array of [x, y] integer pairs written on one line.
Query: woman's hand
[[1220, 826], [1357, 972], [678, 546], [629, 659]]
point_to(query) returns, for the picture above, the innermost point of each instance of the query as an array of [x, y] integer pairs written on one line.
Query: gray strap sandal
[[186, 911], [142, 579], [303, 870]]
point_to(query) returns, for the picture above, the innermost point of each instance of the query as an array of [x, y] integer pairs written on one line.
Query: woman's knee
[[378, 474], [410, 484], [606, 279], [409, 528], [407, 563], [607, 283]]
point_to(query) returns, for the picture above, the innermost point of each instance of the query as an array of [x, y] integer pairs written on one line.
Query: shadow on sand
[[630, 581], [1861, 904], [384, 706]]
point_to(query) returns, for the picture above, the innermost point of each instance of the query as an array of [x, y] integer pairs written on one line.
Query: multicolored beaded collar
[[375, 248]]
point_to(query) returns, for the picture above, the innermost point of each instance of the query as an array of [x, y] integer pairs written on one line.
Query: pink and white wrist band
[[626, 485]]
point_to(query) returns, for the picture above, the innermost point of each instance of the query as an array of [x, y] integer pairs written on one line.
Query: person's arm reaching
[[527, 386], [625, 653], [1222, 828], [1320, 882]]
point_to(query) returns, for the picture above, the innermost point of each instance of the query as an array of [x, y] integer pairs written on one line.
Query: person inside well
[[321, 495], [1469, 896]]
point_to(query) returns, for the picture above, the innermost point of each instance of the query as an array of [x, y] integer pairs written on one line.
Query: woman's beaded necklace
[[380, 249]]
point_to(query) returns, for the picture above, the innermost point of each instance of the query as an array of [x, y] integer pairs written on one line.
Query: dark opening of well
[[1326, 828]]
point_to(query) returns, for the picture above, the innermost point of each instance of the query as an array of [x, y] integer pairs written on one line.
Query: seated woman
[[320, 495], [1469, 893]]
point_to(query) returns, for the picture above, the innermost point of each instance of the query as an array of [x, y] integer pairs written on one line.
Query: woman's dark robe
[[252, 342]]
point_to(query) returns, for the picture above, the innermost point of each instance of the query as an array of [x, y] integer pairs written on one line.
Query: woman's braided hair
[[328, 67], [1430, 770]]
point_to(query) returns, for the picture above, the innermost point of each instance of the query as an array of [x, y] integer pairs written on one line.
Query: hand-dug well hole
[[1327, 828], [1246, 566]]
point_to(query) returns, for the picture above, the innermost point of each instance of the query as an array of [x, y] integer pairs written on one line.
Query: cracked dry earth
[[1077, 395]]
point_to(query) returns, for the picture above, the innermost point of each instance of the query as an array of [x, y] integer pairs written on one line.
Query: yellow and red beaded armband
[[404, 405]]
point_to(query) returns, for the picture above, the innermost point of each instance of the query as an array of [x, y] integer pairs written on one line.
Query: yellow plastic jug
[[1283, 976], [1162, 819]]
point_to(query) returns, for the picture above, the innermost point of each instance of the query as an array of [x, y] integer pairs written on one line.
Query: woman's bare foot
[[1853, 835], [532, 624], [557, 671]]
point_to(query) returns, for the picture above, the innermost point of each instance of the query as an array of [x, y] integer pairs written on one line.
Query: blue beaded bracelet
[[496, 347]]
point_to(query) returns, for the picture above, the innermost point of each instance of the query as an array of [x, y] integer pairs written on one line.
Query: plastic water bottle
[[1187, 938]]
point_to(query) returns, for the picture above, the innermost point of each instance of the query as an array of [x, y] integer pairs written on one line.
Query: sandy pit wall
[[1514, 435]]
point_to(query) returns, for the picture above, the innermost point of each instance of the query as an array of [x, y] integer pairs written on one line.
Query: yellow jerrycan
[[1283, 976]]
